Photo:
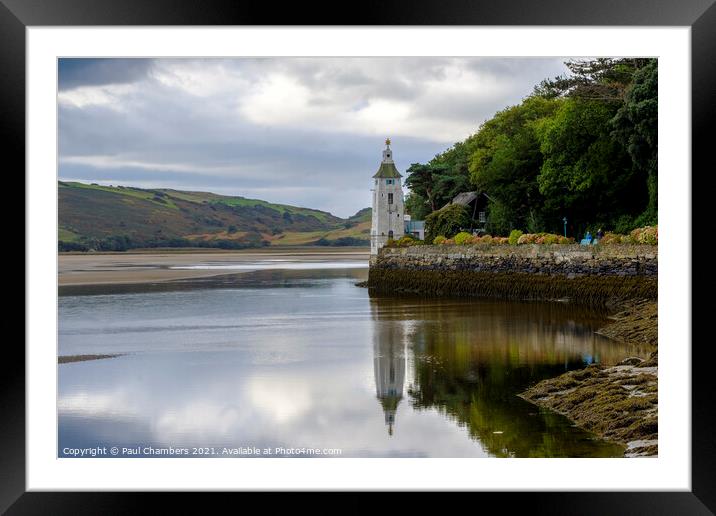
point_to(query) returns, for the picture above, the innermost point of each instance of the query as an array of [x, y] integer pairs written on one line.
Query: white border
[[671, 470]]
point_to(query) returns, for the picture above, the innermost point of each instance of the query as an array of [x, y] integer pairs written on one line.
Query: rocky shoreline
[[587, 275], [620, 402]]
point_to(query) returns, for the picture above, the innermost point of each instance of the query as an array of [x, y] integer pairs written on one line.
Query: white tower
[[387, 203]]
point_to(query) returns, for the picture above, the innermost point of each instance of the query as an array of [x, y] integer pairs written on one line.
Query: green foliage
[[506, 159], [439, 240], [433, 185], [416, 206], [463, 238], [605, 79], [515, 234], [447, 221], [635, 127], [581, 147]]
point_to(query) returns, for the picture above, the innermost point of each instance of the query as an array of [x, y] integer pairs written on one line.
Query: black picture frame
[[700, 15]]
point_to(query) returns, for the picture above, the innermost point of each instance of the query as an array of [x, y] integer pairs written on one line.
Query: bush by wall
[[463, 238], [515, 234], [447, 221]]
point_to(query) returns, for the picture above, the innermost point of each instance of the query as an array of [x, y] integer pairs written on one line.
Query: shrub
[[487, 239], [500, 240], [405, 241], [446, 221], [646, 235], [439, 240], [449, 241], [611, 238], [542, 238], [550, 239], [463, 238], [515, 235]]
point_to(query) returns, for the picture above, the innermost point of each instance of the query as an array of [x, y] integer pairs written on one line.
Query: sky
[[302, 131]]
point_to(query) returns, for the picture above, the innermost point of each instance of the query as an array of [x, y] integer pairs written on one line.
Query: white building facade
[[388, 216]]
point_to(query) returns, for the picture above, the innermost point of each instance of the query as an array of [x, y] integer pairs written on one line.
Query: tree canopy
[[581, 146]]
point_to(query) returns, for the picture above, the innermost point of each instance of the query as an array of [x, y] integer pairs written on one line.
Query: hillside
[[118, 218]]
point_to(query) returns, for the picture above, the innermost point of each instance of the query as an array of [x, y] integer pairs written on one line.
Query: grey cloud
[[212, 146], [76, 72]]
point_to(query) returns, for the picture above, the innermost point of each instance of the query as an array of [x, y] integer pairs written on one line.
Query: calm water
[[299, 359]]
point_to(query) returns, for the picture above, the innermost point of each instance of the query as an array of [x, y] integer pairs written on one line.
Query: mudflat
[[149, 267]]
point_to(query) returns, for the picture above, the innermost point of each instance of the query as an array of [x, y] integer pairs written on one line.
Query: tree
[[505, 161], [416, 206], [421, 183], [586, 174], [635, 126], [603, 78]]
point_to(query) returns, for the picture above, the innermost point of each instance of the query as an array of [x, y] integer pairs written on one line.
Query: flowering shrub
[[646, 235], [612, 238], [463, 238], [543, 238], [515, 235], [527, 238]]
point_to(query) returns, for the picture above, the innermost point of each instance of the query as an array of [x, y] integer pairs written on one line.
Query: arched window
[[390, 234]]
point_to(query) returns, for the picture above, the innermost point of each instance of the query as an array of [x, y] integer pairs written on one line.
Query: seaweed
[[588, 289]]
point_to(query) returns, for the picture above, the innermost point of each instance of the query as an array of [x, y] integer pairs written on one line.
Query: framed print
[[271, 252]]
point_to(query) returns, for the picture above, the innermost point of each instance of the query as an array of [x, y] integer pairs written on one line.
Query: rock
[[632, 361]]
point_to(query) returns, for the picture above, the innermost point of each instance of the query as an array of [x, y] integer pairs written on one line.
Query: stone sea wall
[[582, 274]]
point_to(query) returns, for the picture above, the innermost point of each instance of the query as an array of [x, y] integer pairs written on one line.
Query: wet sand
[[150, 267], [66, 359]]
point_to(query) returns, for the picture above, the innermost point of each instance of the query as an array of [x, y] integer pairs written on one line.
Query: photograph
[[357, 257]]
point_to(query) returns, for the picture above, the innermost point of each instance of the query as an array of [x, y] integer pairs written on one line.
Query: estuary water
[[300, 362]]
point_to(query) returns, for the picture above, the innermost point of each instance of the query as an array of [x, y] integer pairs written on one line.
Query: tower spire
[[388, 156]]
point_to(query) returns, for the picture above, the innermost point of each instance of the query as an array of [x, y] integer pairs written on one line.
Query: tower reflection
[[389, 367]]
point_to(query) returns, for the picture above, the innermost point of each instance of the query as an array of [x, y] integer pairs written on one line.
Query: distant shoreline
[[216, 250], [109, 268]]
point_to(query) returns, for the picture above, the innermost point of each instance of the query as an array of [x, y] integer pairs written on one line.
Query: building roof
[[464, 198], [387, 170]]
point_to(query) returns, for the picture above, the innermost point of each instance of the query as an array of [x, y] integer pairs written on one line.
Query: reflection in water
[[389, 367], [470, 360], [298, 358]]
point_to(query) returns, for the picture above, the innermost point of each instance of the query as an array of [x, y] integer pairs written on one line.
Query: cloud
[[95, 72], [303, 131]]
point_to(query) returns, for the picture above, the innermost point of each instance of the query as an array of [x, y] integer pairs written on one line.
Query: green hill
[[96, 217]]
